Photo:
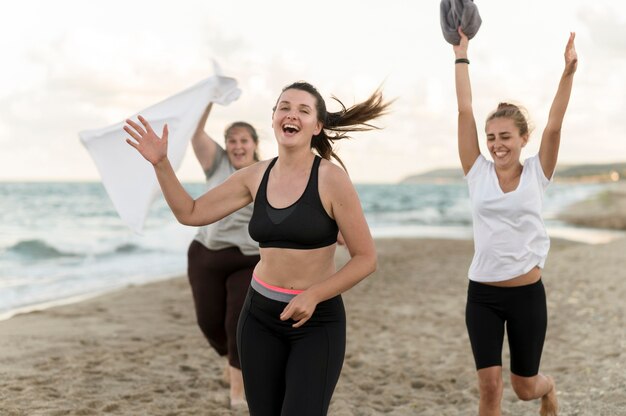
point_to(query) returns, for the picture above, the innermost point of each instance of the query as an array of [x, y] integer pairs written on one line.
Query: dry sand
[[138, 351]]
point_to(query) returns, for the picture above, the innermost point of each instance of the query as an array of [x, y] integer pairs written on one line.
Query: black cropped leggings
[[219, 281], [522, 309], [290, 371]]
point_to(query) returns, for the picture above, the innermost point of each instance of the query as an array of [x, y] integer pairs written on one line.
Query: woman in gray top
[[222, 256]]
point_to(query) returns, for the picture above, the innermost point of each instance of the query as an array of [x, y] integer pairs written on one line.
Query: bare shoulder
[[334, 182], [251, 175], [332, 173]]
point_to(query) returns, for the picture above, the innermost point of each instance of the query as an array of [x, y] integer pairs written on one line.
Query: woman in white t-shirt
[[511, 243], [222, 256]]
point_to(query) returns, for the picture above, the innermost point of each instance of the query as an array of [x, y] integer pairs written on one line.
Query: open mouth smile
[[290, 128]]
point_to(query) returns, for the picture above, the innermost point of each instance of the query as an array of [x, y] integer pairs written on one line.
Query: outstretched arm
[[214, 205], [551, 138], [467, 134], [203, 145]]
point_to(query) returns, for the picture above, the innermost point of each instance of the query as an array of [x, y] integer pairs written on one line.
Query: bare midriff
[[526, 279], [295, 269]]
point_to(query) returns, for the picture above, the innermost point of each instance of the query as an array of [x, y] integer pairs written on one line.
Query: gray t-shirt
[[231, 231]]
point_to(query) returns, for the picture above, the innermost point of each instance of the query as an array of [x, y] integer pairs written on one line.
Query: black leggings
[[219, 280], [523, 309], [290, 371]]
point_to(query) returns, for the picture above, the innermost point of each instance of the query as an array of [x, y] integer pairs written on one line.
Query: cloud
[[607, 29], [92, 65]]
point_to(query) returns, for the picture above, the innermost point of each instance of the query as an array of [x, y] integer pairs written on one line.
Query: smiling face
[[504, 141], [240, 147], [295, 118]]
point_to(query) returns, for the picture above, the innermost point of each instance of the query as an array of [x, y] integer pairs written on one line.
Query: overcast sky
[[73, 65]]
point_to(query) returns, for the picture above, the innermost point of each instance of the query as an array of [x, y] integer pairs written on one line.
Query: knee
[[491, 389], [524, 389]]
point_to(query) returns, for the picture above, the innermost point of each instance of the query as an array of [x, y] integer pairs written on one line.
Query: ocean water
[[61, 242]]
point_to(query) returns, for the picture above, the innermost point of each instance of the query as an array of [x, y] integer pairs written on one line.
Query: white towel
[[127, 177]]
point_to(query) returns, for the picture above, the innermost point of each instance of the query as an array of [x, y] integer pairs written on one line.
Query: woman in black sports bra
[[291, 333]]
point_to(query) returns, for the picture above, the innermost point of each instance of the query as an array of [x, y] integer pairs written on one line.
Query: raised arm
[[203, 146], [467, 134], [551, 138], [214, 205]]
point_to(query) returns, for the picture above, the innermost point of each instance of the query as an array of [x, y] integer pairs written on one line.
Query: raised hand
[[460, 50], [571, 57], [152, 147]]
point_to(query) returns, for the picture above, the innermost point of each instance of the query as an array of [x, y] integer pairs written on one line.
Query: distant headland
[[606, 172]]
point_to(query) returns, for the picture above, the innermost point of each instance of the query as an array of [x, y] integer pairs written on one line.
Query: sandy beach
[[138, 351]]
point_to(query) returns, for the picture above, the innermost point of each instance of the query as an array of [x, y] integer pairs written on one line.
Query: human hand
[[460, 50], [300, 308], [152, 147], [571, 57]]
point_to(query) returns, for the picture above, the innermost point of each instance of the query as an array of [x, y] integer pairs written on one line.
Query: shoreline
[[578, 235], [573, 234], [138, 350], [73, 277], [604, 210]]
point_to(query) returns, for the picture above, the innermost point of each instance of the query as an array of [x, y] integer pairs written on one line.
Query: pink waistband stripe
[[276, 288]]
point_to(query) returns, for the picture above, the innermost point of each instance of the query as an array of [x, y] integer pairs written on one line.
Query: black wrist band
[[462, 61]]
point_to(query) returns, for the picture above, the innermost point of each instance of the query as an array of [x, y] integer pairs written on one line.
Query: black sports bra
[[303, 225]]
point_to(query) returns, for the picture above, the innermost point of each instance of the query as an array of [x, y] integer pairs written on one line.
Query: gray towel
[[455, 13]]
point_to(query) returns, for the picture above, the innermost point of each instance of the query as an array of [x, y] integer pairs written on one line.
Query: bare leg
[[237, 397], [490, 386], [539, 386], [549, 402], [226, 374]]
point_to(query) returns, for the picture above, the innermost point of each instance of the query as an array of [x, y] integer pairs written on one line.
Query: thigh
[[208, 283], [315, 362], [485, 327], [526, 328], [263, 357], [237, 284]]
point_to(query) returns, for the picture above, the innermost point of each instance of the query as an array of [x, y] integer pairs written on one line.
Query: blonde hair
[[517, 113]]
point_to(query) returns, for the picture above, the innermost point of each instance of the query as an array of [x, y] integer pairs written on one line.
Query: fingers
[[292, 312], [288, 312], [166, 132], [145, 124], [300, 322], [463, 41], [133, 144], [570, 41], [462, 35], [135, 126], [132, 133], [571, 57]]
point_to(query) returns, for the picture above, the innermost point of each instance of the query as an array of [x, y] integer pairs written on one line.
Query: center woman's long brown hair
[[337, 125]]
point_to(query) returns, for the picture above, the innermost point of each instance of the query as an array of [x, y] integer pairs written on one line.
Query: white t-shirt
[[231, 231], [510, 238]]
